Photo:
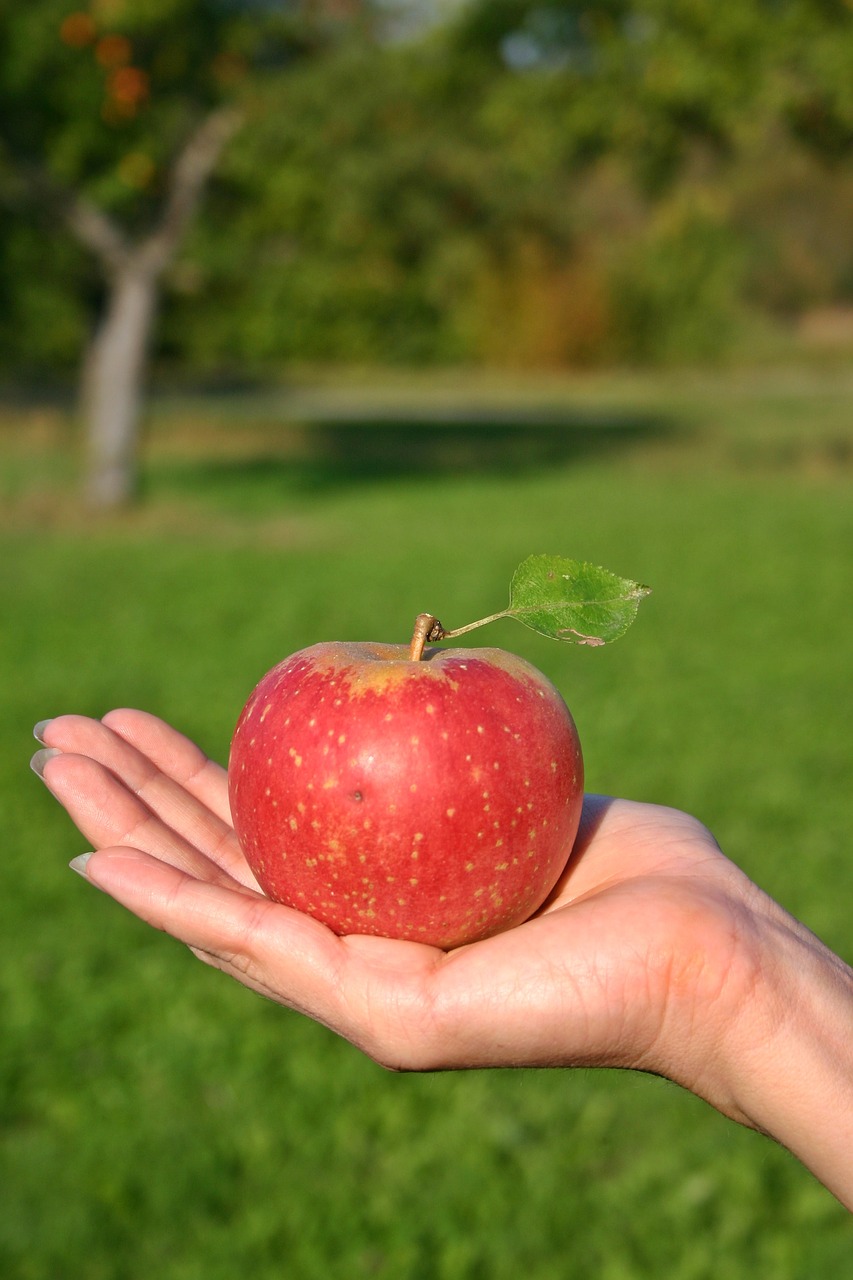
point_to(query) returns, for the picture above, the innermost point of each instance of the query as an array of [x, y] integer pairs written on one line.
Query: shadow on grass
[[344, 451]]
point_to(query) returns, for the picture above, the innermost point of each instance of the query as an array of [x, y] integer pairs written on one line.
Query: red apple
[[434, 800]]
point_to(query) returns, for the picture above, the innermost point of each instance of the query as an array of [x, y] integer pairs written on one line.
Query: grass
[[157, 1120]]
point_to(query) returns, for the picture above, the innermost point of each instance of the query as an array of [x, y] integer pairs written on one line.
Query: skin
[[655, 952]]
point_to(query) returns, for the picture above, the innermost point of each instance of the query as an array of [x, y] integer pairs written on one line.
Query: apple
[[428, 794]]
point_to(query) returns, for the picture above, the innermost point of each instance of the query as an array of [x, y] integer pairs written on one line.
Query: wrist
[[786, 1064]]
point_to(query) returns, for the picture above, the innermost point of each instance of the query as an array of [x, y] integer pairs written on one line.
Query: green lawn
[[160, 1121]]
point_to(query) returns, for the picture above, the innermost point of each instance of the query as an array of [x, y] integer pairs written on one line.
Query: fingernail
[[38, 731], [78, 864], [41, 758]]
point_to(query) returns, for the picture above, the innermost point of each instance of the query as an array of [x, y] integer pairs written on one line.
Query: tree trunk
[[112, 386], [115, 361]]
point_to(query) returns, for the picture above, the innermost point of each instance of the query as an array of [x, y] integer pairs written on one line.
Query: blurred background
[[313, 316]]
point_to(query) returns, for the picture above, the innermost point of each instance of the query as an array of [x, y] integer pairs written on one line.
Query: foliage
[[597, 178], [630, 180]]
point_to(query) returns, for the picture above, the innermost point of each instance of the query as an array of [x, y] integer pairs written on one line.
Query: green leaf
[[572, 601]]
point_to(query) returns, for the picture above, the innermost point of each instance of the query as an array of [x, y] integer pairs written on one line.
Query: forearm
[[790, 1055]]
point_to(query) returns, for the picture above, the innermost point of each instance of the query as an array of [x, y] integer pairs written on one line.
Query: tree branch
[[190, 173], [103, 236], [94, 229]]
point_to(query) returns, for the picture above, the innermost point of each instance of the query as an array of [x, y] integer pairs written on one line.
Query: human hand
[[654, 952]]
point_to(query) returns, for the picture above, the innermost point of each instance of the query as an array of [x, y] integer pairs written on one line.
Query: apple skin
[[433, 800]]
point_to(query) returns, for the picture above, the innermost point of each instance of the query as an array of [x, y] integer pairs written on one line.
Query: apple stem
[[428, 628]]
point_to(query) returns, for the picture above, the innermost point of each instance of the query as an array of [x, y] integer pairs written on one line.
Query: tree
[[116, 356], [114, 117]]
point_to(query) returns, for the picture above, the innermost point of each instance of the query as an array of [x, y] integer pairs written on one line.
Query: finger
[[107, 813], [163, 795], [281, 953], [371, 991], [176, 755]]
